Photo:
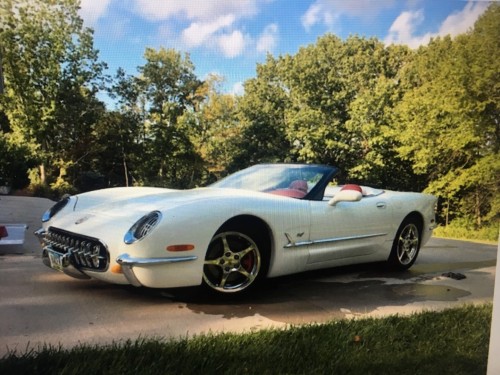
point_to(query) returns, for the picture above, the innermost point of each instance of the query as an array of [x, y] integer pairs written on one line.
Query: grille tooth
[[95, 257], [85, 252]]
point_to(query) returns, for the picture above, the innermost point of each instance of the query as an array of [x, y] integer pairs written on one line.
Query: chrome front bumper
[[127, 262]]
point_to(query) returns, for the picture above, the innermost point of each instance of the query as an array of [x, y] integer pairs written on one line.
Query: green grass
[[454, 341], [487, 233]]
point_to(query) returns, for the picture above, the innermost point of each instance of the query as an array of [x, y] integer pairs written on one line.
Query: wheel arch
[[255, 227], [419, 221], [394, 261]]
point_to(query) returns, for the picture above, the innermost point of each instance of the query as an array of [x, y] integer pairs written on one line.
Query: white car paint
[[305, 234]]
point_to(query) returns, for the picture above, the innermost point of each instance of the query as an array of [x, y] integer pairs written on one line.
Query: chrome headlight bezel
[[142, 227]]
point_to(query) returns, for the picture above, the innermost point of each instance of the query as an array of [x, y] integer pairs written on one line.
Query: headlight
[[51, 212], [142, 227]]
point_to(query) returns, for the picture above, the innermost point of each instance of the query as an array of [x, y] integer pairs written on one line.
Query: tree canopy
[[389, 116]]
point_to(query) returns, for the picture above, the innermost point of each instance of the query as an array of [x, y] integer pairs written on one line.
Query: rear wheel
[[233, 262], [406, 246]]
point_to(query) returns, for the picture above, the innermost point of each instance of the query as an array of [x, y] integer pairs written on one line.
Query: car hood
[[101, 212], [118, 202]]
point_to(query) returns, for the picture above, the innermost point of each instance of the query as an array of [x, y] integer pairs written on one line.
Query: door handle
[[381, 205]]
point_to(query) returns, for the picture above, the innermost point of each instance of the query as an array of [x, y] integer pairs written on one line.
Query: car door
[[348, 229]]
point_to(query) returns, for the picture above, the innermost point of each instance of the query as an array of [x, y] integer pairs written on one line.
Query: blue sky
[[229, 37]]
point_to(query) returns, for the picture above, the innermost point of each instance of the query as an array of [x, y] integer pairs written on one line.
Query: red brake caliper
[[247, 262]]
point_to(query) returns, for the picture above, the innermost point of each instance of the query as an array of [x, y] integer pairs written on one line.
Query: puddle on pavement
[[430, 292], [313, 301], [304, 298]]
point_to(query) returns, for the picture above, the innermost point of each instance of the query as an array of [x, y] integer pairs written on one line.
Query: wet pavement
[[39, 305], [364, 290]]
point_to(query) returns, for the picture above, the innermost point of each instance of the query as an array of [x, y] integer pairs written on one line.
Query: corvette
[[264, 221]]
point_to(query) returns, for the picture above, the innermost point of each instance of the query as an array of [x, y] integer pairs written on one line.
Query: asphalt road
[[39, 305]]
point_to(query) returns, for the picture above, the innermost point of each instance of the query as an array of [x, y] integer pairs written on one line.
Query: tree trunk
[[42, 174], [125, 169], [477, 209], [447, 211]]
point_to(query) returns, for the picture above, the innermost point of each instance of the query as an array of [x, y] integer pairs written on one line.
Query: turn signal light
[[116, 268], [180, 247]]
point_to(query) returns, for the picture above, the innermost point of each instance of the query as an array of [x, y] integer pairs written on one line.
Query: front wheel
[[406, 246], [232, 264]]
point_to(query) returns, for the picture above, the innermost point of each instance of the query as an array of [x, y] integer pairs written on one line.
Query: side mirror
[[346, 196]]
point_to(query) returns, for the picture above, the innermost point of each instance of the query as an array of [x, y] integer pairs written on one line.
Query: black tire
[[233, 264], [406, 245]]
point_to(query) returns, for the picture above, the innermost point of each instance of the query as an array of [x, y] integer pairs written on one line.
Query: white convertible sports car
[[264, 221]]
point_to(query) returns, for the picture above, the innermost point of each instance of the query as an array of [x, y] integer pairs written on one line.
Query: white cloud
[[327, 12], [312, 16], [92, 10], [404, 28], [233, 44], [460, 22], [238, 89], [268, 39], [157, 10], [209, 24], [199, 32]]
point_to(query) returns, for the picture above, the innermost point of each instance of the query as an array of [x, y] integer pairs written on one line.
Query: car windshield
[[290, 180]]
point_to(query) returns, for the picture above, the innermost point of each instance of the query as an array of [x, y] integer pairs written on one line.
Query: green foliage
[[154, 104], [386, 115], [15, 161], [324, 79], [212, 128], [48, 60], [447, 121], [116, 154], [261, 136], [463, 229], [454, 341], [377, 160]]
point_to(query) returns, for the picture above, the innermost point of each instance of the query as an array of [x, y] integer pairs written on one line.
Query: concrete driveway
[[39, 305]]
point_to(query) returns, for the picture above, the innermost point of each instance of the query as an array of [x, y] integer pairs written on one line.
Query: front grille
[[84, 252]]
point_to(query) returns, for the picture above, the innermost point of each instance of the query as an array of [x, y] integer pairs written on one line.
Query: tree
[[116, 157], [47, 55], [15, 160], [371, 123], [324, 80], [158, 98], [448, 118], [262, 134], [212, 127], [127, 128]]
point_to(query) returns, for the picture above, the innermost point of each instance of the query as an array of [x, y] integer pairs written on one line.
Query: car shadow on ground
[[319, 296]]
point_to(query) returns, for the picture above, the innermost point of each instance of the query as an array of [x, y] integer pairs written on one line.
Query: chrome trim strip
[[130, 276], [291, 244], [127, 262]]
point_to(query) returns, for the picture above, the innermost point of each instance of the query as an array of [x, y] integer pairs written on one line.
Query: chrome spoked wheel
[[232, 263], [408, 242], [406, 246]]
